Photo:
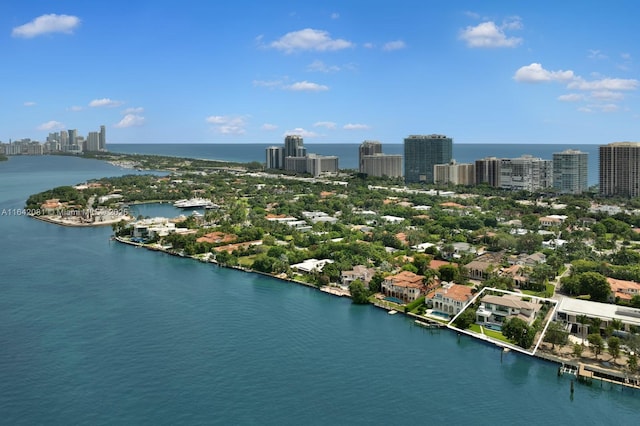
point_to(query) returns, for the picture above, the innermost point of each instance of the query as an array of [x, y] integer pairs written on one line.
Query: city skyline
[[334, 73]]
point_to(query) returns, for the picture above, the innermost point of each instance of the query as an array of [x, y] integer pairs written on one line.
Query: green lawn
[[246, 261], [549, 290], [490, 333]]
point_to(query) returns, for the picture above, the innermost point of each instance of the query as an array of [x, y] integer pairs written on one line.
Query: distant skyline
[[334, 72]]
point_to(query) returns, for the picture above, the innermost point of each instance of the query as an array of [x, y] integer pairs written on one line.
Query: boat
[[392, 312], [194, 203]]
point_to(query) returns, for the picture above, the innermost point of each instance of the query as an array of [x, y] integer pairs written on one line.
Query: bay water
[[93, 332]]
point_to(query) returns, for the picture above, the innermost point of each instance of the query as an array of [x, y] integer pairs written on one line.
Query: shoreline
[[583, 370], [76, 224]]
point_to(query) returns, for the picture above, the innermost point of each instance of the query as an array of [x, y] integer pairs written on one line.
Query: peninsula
[[549, 275]]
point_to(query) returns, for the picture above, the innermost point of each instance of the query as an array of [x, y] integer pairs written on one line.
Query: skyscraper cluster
[[63, 141], [293, 157]]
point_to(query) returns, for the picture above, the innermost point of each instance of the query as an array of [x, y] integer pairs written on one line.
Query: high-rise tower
[[421, 153], [570, 171], [620, 169]]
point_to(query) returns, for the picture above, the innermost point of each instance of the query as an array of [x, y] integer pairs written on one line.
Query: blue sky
[[334, 71]]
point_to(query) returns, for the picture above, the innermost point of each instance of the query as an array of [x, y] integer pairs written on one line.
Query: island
[[548, 275]]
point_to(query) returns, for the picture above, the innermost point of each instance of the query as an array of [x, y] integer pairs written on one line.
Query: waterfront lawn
[[246, 261], [491, 333]]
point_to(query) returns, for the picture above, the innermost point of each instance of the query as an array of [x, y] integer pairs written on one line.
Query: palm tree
[[583, 320]]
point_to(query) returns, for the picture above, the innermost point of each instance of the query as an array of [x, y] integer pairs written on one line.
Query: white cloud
[[105, 102], [607, 95], [307, 86], [320, 66], [369, 45], [351, 126], [51, 125], [571, 97], [325, 124], [45, 24], [488, 34], [394, 45], [302, 132], [625, 56], [309, 39], [76, 108], [267, 83], [335, 15], [130, 120], [601, 107], [228, 124], [268, 126], [604, 84], [534, 73], [596, 54], [29, 104], [512, 23], [136, 110]]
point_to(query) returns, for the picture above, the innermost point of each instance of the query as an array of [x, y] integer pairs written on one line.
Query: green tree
[[556, 335], [465, 319], [519, 332], [577, 350], [448, 272], [359, 294], [595, 285], [613, 346], [596, 342], [632, 363], [375, 284]]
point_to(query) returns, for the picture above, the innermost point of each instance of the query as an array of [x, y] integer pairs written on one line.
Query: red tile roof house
[[405, 286], [451, 298], [623, 290]]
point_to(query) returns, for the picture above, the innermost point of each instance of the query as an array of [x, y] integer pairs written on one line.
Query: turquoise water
[[93, 332], [394, 300]]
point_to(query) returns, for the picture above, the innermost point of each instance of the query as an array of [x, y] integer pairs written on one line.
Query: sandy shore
[[76, 221]]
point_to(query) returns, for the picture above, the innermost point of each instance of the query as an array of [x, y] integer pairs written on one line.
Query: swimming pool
[[440, 314], [394, 300], [494, 327]]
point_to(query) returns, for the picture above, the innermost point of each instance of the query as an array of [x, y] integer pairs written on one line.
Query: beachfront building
[[454, 173], [405, 286], [620, 169], [488, 171], [372, 162], [451, 298], [275, 157], [570, 171], [526, 173], [421, 153]]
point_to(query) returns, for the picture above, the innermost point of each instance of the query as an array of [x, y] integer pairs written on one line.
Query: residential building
[[294, 146], [275, 157], [382, 165], [421, 153], [359, 272], [570, 171], [405, 286], [526, 173], [454, 173], [102, 141], [93, 141], [572, 311], [368, 148], [311, 265], [496, 309], [620, 169], [319, 164], [451, 298], [622, 289], [488, 171]]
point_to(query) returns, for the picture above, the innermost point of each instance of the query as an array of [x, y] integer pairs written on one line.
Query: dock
[[589, 374]]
